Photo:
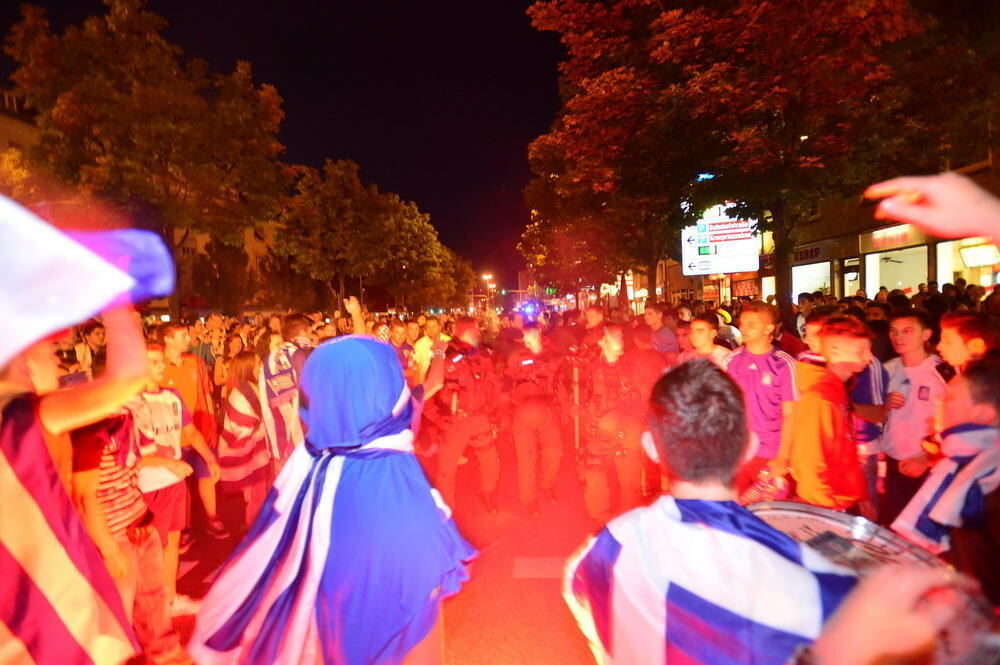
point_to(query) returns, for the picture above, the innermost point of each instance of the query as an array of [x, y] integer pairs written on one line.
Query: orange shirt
[[190, 378], [823, 458]]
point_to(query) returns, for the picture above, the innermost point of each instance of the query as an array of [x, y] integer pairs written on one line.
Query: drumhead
[[848, 540], [861, 545]]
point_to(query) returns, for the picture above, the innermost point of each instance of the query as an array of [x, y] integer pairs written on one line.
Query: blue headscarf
[[353, 392]]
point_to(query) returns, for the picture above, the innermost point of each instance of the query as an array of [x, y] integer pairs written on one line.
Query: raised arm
[[126, 373]]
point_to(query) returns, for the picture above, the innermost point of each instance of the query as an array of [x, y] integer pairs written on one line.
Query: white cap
[[49, 281]]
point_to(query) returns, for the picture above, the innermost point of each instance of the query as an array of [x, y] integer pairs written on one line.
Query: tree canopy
[[782, 103], [335, 227], [126, 117]]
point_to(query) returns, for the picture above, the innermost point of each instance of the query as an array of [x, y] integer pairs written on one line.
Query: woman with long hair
[[353, 552], [243, 457], [232, 348]]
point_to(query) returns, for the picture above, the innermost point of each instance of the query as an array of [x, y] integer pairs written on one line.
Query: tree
[[125, 116], [335, 228], [612, 173], [784, 103]]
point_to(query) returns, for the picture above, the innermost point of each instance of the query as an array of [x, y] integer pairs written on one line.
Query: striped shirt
[[767, 381], [110, 446], [159, 418], [699, 583]]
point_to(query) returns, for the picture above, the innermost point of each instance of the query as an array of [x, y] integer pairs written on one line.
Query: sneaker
[[533, 510], [217, 529], [549, 495], [184, 606], [489, 504]]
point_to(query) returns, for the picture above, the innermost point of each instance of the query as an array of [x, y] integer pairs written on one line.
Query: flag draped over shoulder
[[953, 494], [60, 606], [242, 452], [279, 397], [699, 583], [352, 553]]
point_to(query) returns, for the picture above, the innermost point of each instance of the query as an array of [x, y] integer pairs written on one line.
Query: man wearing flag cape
[[353, 552], [694, 577]]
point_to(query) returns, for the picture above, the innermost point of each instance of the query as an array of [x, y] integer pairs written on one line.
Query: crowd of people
[[344, 432]]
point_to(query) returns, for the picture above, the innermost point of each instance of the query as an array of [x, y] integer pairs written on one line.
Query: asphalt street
[[511, 611]]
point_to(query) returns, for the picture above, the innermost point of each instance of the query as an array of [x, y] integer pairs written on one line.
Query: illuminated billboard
[[720, 244]]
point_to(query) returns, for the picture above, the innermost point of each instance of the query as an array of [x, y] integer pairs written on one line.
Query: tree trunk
[[174, 299], [782, 259], [651, 279]]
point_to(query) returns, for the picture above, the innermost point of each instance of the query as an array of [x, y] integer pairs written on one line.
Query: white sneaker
[[184, 606]]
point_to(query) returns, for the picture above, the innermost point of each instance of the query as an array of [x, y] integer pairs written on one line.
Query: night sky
[[435, 99]]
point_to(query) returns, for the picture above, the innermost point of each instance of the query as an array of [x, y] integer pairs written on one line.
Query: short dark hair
[[804, 297], [922, 318], [294, 325], [899, 301], [822, 313], [983, 376], [90, 326], [170, 329], [662, 308], [698, 421], [711, 318], [973, 325], [880, 305], [758, 307]]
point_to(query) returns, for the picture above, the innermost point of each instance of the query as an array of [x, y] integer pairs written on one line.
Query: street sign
[[720, 244]]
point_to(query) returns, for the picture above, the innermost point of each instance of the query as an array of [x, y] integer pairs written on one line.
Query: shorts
[[191, 456], [169, 508]]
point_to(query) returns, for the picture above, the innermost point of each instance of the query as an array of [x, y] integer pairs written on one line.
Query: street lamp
[[487, 276]]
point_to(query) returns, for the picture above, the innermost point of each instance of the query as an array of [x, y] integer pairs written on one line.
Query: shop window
[[973, 259], [811, 277], [852, 276], [901, 269]]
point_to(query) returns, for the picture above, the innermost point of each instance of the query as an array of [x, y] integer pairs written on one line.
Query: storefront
[[896, 257], [818, 266], [746, 285], [973, 259]]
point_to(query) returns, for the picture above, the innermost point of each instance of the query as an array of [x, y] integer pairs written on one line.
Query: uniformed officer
[[616, 414], [465, 410], [535, 425]]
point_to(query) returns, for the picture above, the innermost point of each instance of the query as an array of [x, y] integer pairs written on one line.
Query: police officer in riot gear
[[465, 410], [535, 424]]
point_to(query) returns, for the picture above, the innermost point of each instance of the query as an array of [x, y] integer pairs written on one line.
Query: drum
[[861, 545]]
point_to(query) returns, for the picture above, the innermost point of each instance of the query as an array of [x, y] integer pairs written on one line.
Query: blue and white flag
[[353, 552], [954, 492], [688, 582]]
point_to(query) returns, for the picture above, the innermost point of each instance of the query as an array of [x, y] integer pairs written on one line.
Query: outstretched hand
[[894, 614], [948, 205], [352, 305]]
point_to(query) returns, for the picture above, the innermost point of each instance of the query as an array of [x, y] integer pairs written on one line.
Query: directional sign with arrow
[[720, 244]]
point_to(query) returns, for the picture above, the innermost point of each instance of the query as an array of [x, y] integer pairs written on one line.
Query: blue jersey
[[871, 386]]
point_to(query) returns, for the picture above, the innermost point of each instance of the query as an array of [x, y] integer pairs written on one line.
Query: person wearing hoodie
[[822, 454]]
